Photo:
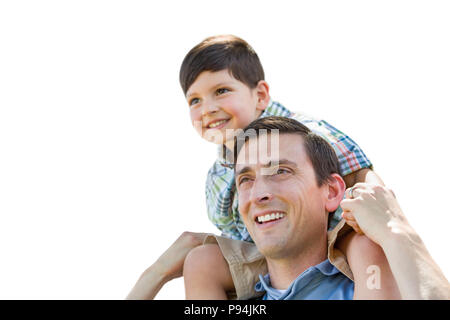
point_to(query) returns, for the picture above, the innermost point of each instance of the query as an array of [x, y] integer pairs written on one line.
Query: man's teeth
[[270, 217], [217, 123]]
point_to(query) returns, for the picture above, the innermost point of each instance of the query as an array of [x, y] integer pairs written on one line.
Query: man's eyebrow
[[243, 170], [272, 163], [269, 164]]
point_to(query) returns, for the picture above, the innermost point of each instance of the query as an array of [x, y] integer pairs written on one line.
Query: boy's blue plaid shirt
[[221, 203]]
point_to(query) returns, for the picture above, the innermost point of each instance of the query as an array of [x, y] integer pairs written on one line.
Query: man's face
[[288, 197], [218, 102]]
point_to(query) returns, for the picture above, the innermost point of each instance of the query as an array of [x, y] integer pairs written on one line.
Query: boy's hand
[[348, 215], [351, 221], [374, 211]]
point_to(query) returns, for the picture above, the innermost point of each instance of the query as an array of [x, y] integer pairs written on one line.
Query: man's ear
[[336, 190], [262, 94]]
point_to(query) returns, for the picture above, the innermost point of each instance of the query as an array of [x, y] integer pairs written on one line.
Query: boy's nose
[[209, 108]]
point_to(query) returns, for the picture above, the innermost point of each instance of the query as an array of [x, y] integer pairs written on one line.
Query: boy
[[223, 81]]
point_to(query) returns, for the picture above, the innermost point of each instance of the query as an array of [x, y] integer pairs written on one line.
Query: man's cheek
[[243, 207]]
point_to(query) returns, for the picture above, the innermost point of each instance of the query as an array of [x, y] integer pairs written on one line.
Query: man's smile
[[269, 218]]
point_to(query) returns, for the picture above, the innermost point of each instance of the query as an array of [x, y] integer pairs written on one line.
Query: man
[[286, 195], [286, 207]]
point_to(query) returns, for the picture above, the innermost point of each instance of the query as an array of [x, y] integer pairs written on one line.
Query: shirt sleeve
[[350, 155], [219, 199]]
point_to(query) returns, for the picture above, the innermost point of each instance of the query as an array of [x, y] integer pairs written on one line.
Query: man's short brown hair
[[321, 154], [219, 53]]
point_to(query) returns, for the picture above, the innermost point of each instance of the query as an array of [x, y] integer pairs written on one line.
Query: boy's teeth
[[217, 123], [270, 217]]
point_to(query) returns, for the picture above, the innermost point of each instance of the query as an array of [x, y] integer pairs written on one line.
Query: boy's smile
[[220, 104]]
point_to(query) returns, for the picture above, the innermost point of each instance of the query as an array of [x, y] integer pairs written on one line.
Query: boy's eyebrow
[[213, 87], [222, 84], [190, 94]]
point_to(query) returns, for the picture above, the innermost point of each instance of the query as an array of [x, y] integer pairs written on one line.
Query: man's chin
[[272, 248]]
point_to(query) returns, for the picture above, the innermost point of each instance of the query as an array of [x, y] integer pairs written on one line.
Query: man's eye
[[243, 180], [222, 90], [282, 171], [193, 101]]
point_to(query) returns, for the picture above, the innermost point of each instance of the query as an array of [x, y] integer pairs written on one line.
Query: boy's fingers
[[348, 216], [348, 205], [351, 221], [355, 226], [363, 185], [349, 193], [352, 192]]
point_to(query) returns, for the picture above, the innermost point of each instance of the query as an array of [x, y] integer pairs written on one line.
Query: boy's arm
[[354, 165], [373, 278], [380, 217], [363, 175], [365, 256]]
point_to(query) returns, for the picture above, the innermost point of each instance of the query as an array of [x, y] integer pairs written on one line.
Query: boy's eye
[[222, 90], [193, 101]]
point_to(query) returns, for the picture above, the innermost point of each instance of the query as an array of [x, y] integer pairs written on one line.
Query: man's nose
[[261, 192]]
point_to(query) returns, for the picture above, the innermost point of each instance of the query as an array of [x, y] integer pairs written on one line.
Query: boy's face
[[219, 104]]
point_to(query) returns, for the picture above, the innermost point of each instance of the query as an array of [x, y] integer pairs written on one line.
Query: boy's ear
[[262, 93], [336, 190]]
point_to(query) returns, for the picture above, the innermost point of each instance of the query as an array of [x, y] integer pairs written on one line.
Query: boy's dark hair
[[219, 53], [321, 154]]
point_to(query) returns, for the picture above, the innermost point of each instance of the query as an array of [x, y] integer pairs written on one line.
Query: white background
[[100, 170]]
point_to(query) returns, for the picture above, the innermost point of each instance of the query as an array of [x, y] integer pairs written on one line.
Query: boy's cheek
[[198, 126], [214, 136], [195, 115]]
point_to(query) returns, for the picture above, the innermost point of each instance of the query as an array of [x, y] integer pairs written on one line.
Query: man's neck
[[284, 271]]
